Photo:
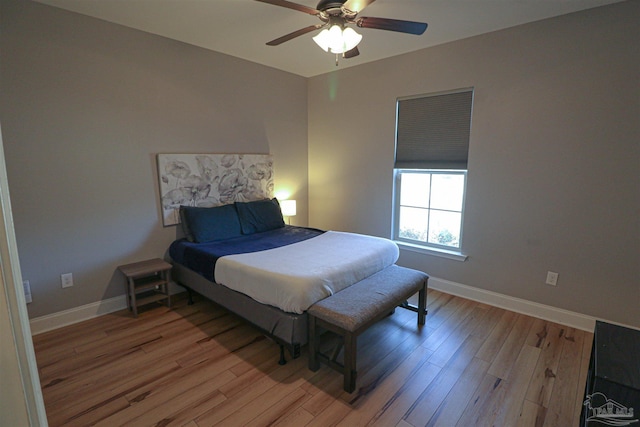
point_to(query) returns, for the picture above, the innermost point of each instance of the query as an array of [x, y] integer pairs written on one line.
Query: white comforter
[[296, 276]]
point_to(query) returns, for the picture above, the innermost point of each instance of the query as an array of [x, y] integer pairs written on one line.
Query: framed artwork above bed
[[209, 180]]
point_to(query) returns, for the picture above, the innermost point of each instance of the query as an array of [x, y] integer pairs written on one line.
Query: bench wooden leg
[[314, 364], [350, 348], [422, 304]]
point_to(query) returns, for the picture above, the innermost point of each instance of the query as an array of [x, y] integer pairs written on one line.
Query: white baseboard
[[85, 312], [77, 314], [546, 312]]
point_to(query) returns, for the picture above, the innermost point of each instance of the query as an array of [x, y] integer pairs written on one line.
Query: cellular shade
[[433, 131]]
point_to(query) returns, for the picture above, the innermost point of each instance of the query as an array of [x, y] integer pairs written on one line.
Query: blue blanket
[[202, 257]]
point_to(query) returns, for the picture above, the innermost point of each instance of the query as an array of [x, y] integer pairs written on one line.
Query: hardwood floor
[[470, 365]]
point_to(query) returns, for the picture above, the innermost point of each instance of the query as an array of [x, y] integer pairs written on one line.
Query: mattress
[[295, 276]]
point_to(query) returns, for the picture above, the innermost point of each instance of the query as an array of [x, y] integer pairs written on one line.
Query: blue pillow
[[184, 221], [258, 216], [210, 224]]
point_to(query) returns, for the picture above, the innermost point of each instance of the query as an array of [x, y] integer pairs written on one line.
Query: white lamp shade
[[288, 207], [336, 40], [351, 39], [323, 40]]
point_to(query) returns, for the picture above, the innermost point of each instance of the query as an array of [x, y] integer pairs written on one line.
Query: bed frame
[[289, 330]]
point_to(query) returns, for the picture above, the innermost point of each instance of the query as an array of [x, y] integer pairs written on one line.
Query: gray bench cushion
[[359, 303]]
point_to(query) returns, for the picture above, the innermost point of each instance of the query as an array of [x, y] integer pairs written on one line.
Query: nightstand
[[147, 282]]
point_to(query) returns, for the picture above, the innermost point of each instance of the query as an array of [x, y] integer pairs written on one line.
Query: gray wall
[[86, 105], [554, 155]]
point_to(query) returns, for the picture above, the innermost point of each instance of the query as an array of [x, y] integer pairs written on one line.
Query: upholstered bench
[[351, 311]]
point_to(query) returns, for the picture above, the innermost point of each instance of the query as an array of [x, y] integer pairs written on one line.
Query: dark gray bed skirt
[[289, 329]]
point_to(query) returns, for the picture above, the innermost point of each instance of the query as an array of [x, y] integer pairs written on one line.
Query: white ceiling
[[242, 27]]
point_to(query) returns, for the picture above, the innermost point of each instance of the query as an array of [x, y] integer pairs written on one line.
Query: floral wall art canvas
[[208, 180]]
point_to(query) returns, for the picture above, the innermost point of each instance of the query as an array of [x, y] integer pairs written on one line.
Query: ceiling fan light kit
[[338, 38]]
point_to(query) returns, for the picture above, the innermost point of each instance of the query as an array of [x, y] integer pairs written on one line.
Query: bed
[[243, 257]]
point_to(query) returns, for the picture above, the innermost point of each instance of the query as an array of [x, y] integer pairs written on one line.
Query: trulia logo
[[607, 411]]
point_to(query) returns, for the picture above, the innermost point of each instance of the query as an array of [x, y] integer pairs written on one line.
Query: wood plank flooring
[[470, 365]]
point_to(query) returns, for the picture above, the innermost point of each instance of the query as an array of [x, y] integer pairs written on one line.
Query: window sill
[[443, 253]]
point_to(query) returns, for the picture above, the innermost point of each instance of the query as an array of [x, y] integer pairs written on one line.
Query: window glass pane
[[414, 190], [444, 228], [413, 223], [447, 191], [430, 206]]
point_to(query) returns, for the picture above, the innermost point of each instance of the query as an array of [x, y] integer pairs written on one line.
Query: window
[[430, 206], [432, 145]]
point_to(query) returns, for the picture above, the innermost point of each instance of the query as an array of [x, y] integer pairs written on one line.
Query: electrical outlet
[[27, 291], [552, 278], [67, 280]]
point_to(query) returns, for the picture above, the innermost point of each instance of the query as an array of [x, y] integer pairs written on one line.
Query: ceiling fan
[[337, 37]]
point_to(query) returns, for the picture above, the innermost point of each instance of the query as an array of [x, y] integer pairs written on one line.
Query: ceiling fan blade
[[398, 25], [291, 5], [351, 53], [295, 34], [357, 5]]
